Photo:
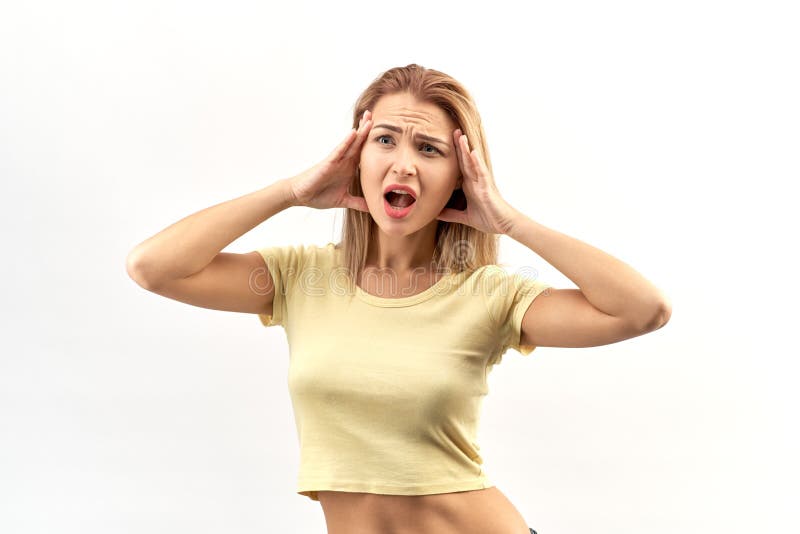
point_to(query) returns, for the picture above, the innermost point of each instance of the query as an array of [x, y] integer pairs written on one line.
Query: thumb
[[452, 215], [356, 203]]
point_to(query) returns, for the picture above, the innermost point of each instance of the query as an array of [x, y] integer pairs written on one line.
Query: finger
[[474, 160], [480, 166], [457, 135], [463, 153], [340, 150], [466, 150], [363, 131]]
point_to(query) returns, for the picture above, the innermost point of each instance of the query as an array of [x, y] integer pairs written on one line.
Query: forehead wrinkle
[[420, 116], [411, 113], [422, 136]]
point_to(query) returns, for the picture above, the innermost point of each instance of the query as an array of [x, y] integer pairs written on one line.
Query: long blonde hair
[[458, 247]]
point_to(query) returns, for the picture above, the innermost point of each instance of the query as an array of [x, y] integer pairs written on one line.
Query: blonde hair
[[458, 247]]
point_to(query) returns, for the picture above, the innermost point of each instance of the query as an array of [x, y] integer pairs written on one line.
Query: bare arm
[[189, 245], [184, 262], [608, 286], [614, 302]]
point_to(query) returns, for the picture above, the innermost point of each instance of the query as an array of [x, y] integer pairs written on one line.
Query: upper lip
[[402, 188]]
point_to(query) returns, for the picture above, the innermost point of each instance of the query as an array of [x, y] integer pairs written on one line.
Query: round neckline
[[393, 302]]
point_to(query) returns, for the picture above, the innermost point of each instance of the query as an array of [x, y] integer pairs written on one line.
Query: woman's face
[[394, 153]]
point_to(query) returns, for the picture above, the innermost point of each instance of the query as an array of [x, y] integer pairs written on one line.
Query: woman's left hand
[[486, 209]]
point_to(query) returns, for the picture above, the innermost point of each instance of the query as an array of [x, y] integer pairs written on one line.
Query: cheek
[[436, 196], [372, 163]]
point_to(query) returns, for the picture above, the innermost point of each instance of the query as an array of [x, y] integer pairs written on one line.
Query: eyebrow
[[420, 136]]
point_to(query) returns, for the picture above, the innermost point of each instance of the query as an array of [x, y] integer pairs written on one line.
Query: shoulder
[[299, 253], [493, 278]]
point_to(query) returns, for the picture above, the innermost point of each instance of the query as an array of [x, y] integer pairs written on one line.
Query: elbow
[[666, 313], [651, 317], [660, 317], [136, 269]]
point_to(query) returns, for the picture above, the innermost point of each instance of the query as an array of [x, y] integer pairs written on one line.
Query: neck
[[403, 254]]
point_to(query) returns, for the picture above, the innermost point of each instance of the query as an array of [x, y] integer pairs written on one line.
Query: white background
[[665, 134]]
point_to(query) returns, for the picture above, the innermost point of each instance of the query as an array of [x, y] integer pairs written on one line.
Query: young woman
[[393, 330]]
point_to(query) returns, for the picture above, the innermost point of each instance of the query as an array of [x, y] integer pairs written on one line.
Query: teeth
[[401, 192]]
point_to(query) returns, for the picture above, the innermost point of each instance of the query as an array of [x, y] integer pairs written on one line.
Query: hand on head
[[326, 184]]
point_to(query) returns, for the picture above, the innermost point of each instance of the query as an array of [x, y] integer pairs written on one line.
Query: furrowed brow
[[419, 135]]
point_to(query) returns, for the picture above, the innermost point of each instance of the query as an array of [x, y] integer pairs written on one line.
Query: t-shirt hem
[[519, 315], [310, 489], [269, 320], [273, 257]]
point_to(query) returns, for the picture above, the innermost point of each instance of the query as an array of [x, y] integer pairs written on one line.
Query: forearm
[[190, 244], [609, 284]]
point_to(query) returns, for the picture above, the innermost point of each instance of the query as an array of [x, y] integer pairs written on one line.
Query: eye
[[378, 139], [433, 147]]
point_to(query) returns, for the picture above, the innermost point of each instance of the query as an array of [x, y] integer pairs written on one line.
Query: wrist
[[516, 222], [287, 192]]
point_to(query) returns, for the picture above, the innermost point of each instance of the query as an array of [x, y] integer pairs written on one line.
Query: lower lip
[[397, 213]]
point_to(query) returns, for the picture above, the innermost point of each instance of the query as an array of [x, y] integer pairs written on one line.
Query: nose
[[404, 161]]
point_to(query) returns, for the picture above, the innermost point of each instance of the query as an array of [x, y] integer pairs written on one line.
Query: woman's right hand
[[325, 184]]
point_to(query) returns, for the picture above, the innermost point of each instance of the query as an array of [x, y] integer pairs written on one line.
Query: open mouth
[[399, 200]]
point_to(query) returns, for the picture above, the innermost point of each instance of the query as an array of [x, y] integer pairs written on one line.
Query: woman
[[393, 330]]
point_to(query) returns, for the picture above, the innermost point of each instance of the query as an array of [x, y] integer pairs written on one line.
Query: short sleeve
[[284, 264], [508, 297]]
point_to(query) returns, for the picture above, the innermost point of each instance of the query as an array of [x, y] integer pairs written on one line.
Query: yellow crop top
[[387, 392]]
